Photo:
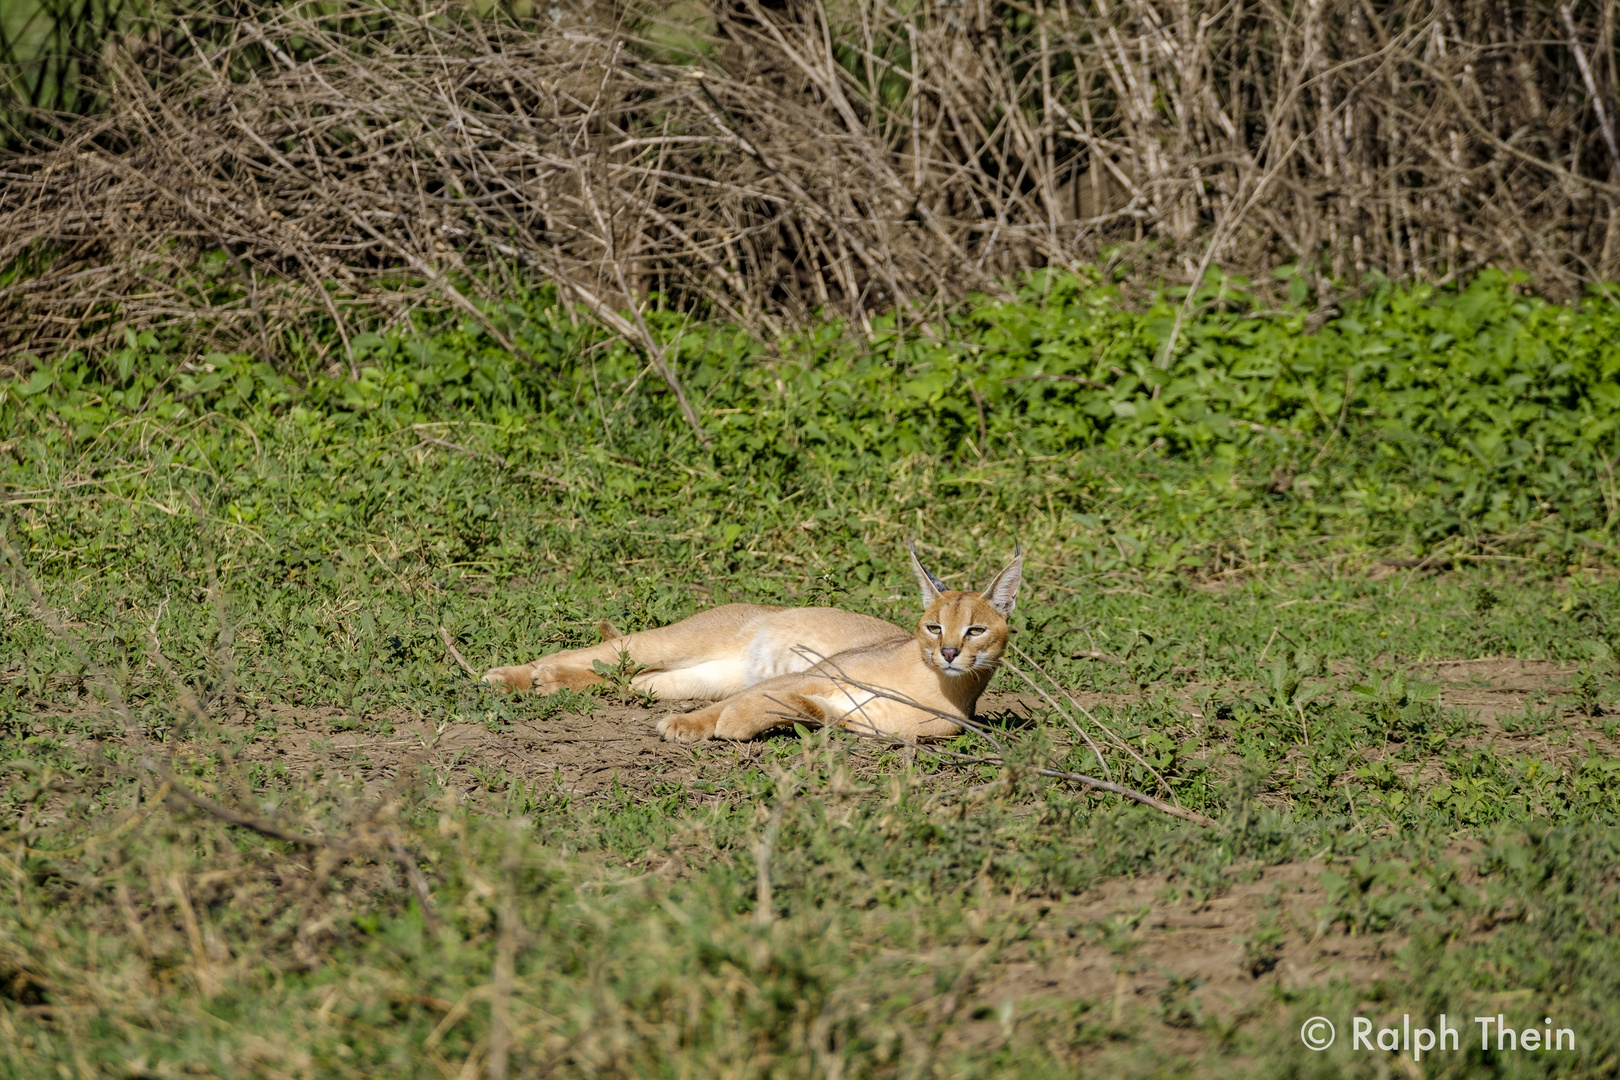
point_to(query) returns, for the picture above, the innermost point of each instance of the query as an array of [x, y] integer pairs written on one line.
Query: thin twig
[[1592, 94], [1000, 757], [1344, 408], [262, 826], [455, 653], [1112, 735], [1033, 685]]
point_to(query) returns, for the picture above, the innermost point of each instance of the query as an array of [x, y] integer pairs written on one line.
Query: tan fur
[[766, 667]]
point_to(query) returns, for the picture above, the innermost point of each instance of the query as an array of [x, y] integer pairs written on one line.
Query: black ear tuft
[[931, 586]]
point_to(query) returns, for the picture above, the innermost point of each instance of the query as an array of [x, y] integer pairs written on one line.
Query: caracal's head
[[963, 633]]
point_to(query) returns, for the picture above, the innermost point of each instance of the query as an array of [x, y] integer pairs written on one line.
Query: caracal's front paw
[[510, 678], [689, 727]]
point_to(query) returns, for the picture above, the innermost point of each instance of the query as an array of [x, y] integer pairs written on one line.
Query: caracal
[[766, 667]]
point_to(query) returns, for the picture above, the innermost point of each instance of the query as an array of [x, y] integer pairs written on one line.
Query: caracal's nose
[[950, 654]]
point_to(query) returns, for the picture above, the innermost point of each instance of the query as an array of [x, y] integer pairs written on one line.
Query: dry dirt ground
[[1180, 961], [614, 742], [1160, 941]]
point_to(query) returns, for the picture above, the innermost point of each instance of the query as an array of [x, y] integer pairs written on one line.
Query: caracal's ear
[[1002, 593], [931, 585]]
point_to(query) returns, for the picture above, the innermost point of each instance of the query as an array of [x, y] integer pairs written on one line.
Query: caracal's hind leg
[[543, 678], [575, 676], [698, 657], [744, 717], [571, 669]]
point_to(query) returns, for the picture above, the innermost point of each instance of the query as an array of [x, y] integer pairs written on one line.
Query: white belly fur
[[768, 656], [710, 680], [763, 659], [779, 643]]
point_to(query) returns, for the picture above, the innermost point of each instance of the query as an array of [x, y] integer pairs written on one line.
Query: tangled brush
[[261, 169]]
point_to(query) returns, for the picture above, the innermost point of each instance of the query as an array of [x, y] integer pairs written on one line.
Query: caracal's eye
[[975, 631], [932, 628]]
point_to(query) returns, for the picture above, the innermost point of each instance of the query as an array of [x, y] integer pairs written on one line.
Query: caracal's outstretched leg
[[744, 717], [812, 699], [704, 656]]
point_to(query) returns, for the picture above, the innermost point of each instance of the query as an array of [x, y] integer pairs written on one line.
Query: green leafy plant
[[1589, 688], [1400, 708], [617, 680]]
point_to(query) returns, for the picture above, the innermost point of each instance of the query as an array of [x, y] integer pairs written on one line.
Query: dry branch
[[830, 668], [355, 162]]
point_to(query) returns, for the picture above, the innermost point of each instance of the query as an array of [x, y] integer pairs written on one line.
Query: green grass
[[293, 540]]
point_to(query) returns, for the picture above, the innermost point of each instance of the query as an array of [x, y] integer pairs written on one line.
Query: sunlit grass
[[284, 553]]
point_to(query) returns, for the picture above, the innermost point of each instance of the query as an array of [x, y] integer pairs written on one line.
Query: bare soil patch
[[577, 753], [1167, 963], [1522, 705]]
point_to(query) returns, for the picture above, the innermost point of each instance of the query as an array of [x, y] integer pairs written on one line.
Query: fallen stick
[[1000, 759], [450, 643], [1131, 793]]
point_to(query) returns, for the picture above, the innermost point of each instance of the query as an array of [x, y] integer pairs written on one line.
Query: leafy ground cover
[[1347, 593]]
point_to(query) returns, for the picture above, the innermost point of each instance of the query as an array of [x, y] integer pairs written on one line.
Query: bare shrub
[[764, 163]]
